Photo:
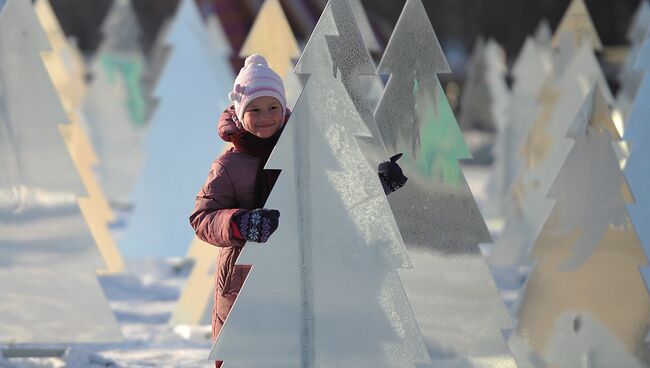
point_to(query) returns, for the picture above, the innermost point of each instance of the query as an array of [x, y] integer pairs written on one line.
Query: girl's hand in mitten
[[390, 174], [257, 225]]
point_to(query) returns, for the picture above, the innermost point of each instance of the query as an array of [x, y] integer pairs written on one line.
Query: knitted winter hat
[[255, 80]]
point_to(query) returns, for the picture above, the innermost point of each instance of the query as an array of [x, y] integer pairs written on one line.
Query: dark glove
[[390, 175], [257, 225]]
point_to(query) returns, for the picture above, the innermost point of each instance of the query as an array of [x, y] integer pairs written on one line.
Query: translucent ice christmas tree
[[450, 288], [545, 147], [324, 290], [637, 170], [48, 258], [70, 86], [179, 145], [115, 107]]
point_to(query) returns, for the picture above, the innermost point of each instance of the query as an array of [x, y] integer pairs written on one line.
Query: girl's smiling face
[[263, 117]]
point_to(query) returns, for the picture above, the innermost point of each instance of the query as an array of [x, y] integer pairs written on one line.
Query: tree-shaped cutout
[[529, 72], [353, 62], [629, 76], [95, 207], [47, 254], [327, 275], [546, 149], [271, 36], [529, 98], [637, 169], [372, 84], [577, 22], [588, 255], [178, 148], [543, 34], [194, 306], [485, 92], [115, 108], [436, 212]]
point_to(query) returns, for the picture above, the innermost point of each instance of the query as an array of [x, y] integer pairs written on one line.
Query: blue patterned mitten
[[258, 224]]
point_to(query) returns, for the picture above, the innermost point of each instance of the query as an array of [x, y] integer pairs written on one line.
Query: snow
[[144, 297]]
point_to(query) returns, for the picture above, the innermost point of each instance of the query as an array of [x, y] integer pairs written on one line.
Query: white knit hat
[[255, 80]]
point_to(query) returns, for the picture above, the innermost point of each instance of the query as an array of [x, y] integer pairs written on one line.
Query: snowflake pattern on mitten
[[257, 225]]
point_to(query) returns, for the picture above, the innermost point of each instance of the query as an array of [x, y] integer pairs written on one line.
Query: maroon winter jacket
[[229, 190]]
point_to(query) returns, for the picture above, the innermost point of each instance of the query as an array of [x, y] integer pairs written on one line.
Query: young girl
[[229, 209]]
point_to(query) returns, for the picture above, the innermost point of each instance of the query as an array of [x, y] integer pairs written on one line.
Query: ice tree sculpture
[[547, 147], [485, 93], [115, 107], [194, 306], [629, 76], [350, 46], [327, 276], [47, 254], [529, 72], [94, 207], [543, 34], [637, 169], [155, 64], [272, 37], [577, 22], [179, 150], [575, 67], [436, 212], [495, 82], [588, 254], [372, 84]]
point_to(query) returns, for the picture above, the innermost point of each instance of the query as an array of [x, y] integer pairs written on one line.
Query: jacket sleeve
[[214, 208]]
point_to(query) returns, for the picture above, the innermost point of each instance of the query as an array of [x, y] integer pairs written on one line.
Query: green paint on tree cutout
[[441, 140], [131, 72]]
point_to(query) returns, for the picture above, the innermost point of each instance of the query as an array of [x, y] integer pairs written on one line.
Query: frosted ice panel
[[368, 322], [637, 170], [579, 78], [115, 135], [47, 254], [351, 60], [435, 211], [640, 23], [264, 327], [372, 303], [364, 26], [543, 34], [29, 135], [181, 144], [593, 167]]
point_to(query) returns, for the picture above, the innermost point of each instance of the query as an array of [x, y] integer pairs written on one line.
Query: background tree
[[436, 212], [588, 254], [40, 220]]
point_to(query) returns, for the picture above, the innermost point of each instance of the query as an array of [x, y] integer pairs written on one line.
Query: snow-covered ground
[[143, 299]]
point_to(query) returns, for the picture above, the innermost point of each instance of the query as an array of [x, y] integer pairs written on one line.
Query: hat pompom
[[255, 59], [234, 96]]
